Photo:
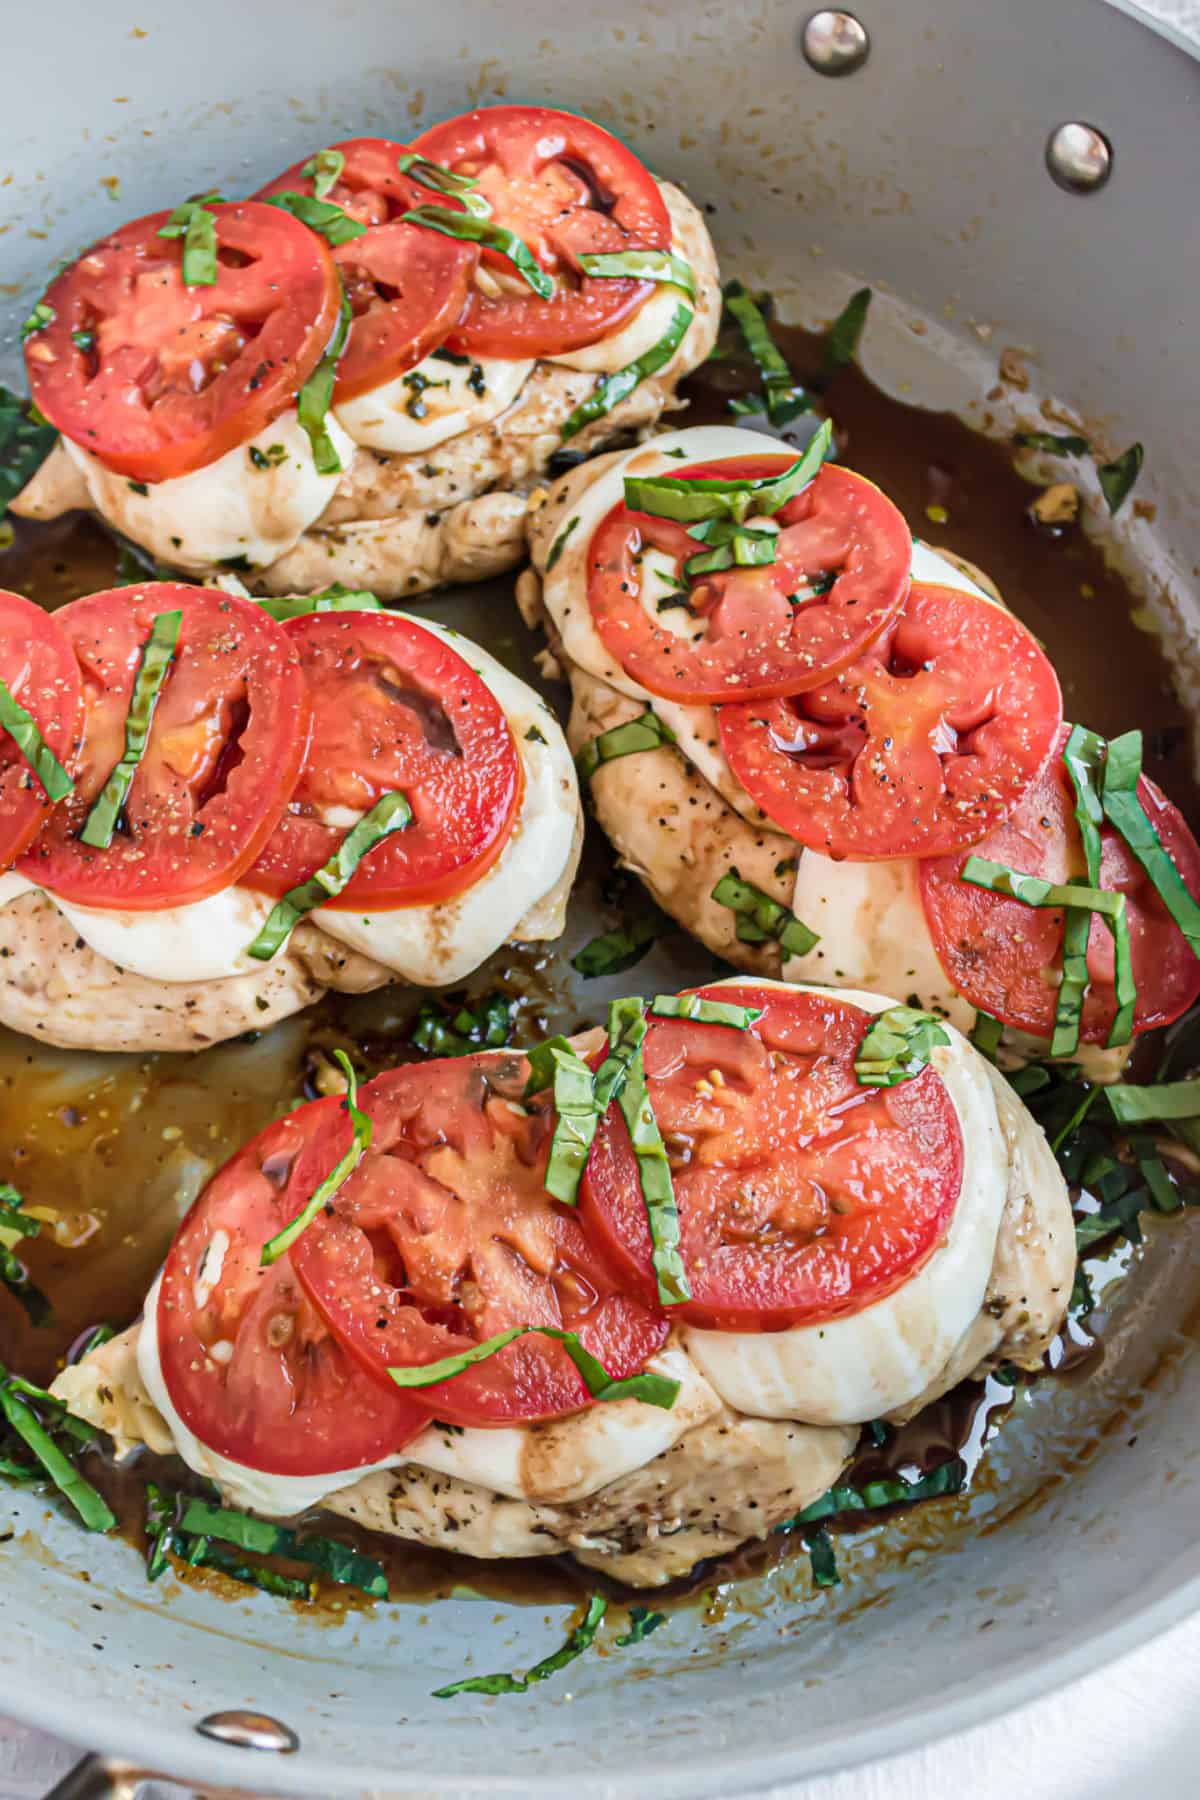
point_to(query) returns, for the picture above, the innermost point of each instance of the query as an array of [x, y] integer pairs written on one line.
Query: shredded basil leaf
[[487, 1026], [471, 228], [41, 316], [761, 919], [611, 389], [897, 1045], [1058, 444], [332, 599], [841, 340], [784, 399], [442, 180], [1133, 1105], [91, 1506], [25, 443], [624, 947], [949, 1477], [1116, 478], [341, 1172], [822, 1557], [646, 732], [197, 226], [654, 1174], [1122, 770], [641, 1623], [388, 815], [652, 1390], [560, 543], [157, 655], [22, 728], [691, 500], [1084, 756], [313, 400], [704, 1012], [986, 1035], [578, 1116], [579, 1641], [324, 170], [641, 265], [339, 1562], [329, 221]]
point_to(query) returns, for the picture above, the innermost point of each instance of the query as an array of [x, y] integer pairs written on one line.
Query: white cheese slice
[[436, 945], [228, 510], [852, 1369], [456, 397], [205, 941], [565, 1460], [12, 886]]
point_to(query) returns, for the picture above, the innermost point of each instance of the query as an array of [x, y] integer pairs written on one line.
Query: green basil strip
[[575, 1127], [442, 180], [388, 815], [761, 919], [342, 1170], [579, 1641], [1058, 444], [162, 1519], [823, 1558], [841, 340], [948, 1478], [198, 228], [20, 1284], [1120, 800], [623, 948], [692, 500], [25, 443], [560, 543], [734, 545], [157, 654], [334, 599], [313, 400], [610, 390], [339, 1562], [1117, 477], [986, 1035], [322, 216], [91, 1506], [897, 1046], [41, 316], [471, 228], [642, 265], [1084, 756], [646, 732], [785, 399], [324, 170], [1132, 1105], [14, 1223], [641, 1623], [22, 728], [658, 1192], [487, 1026], [652, 1390], [704, 1012], [202, 1554]]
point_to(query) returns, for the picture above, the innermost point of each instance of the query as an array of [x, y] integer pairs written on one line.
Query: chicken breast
[[676, 833]]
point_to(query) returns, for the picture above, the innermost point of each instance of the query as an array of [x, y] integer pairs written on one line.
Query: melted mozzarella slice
[[448, 397], [12, 886], [234, 508], [848, 1370], [564, 1460], [435, 945], [205, 941]]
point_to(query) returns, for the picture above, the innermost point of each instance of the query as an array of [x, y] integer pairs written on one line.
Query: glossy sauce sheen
[[120, 1145]]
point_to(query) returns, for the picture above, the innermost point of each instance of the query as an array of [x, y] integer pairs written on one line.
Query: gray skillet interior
[[924, 175]]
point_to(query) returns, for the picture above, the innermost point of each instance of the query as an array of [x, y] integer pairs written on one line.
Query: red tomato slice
[[407, 287], [444, 1236], [751, 639], [801, 1195], [226, 744], [395, 707], [1006, 959], [248, 1362], [566, 187], [921, 747], [157, 378], [38, 667]]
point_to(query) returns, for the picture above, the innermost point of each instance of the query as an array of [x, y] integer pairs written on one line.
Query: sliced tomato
[[1006, 958], [156, 378], [226, 745], [566, 187], [407, 287], [922, 747], [38, 667], [394, 707], [248, 1362], [444, 1236], [752, 636], [801, 1195]]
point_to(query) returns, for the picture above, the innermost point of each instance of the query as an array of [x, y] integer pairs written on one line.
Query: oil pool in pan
[[117, 1146]]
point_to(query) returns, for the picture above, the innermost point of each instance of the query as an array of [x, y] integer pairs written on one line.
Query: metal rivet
[[1079, 157], [250, 1731], [835, 43]]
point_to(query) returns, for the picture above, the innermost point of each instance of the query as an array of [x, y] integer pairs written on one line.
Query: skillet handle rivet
[[250, 1731], [834, 42], [1079, 157]]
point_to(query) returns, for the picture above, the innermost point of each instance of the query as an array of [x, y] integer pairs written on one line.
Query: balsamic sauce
[[118, 1146]]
